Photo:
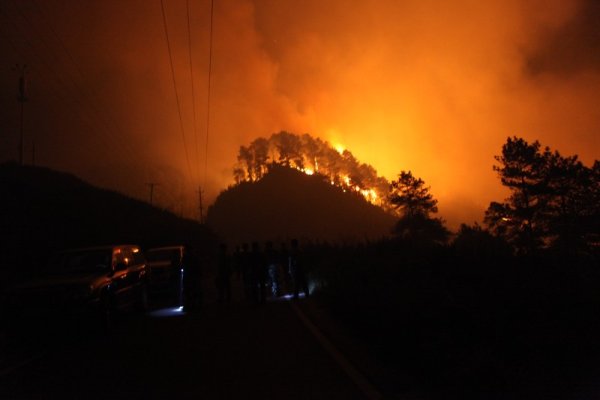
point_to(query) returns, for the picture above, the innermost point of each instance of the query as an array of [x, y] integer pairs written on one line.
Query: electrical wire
[[59, 80], [195, 127], [209, 87], [108, 123], [55, 78], [187, 157]]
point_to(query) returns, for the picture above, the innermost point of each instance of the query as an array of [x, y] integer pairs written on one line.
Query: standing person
[[259, 274], [237, 262], [223, 279], [297, 269], [262, 269], [246, 267], [284, 269], [272, 269], [256, 267], [176, 277], [192, 279]]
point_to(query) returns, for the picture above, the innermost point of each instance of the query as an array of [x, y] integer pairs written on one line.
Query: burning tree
[[311, 156]]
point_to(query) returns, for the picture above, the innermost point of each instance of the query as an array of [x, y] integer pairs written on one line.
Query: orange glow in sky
[[428, 86]]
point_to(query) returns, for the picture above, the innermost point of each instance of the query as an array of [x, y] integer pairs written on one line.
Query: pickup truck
[[96, 282]]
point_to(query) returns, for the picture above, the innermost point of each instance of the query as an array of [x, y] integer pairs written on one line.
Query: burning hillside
[[286, 203], [311, 156]]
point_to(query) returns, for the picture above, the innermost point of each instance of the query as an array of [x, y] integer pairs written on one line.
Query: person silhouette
[[237, 262], [284, 269], [261, 275], [192, 279], [246, 270], [297, 270], [272, 265], [257, 274], [223, 278]]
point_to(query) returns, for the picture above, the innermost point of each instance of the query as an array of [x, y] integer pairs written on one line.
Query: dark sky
[[428, 86]]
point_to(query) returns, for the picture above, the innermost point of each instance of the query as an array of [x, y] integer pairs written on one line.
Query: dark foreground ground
[[240, 351], [279, 350]]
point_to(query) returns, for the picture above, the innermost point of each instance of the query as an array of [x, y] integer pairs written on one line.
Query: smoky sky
[[427, 86]]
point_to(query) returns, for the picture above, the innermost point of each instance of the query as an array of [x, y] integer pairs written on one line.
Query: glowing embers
[[370, 195], [346, 184], [307, 171]]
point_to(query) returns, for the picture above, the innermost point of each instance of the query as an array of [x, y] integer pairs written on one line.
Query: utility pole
[[200, 204], [151, 186], [22, 98]]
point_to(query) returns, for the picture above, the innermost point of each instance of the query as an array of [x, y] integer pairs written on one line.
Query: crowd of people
[[264, 272]]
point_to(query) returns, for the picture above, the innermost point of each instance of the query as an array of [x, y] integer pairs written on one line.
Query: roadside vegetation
[[508, 307]]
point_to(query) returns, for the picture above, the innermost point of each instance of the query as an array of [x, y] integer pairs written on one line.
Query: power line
[[86, 96], [187, 157], [58, 82], [195, 127], [208, 94]]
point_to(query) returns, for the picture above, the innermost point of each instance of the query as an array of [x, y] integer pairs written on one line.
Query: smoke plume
[[427, 86]]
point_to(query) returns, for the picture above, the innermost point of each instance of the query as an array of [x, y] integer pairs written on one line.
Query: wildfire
[[311, 156], [370, 195]]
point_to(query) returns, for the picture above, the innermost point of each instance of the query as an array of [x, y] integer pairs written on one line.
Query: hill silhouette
[[287, 203], [43, 210]]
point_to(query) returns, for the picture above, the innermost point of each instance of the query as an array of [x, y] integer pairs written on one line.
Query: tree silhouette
[[415, 204], [475, 244], [314, 156], [553, 201], [245, 164], [520, 218], [409, 196], [289, 147], [312, 150]]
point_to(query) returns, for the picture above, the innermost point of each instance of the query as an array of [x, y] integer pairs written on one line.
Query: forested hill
[[42, 210], [287, 203]]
